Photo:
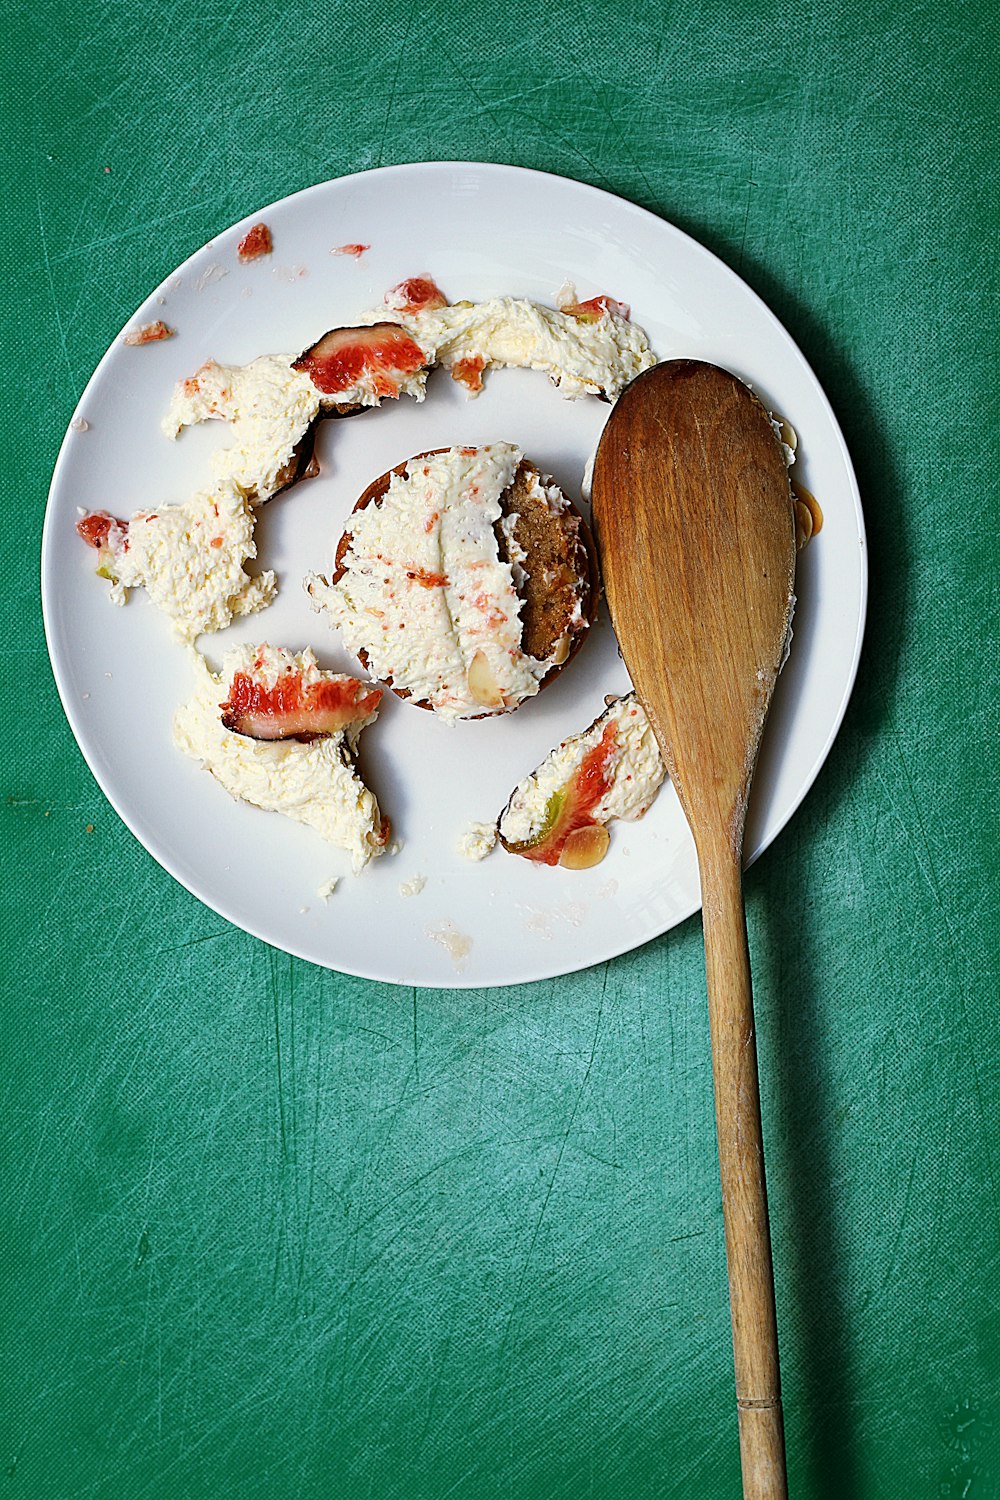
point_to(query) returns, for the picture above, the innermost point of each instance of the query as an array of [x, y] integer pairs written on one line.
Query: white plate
[[480, 231]]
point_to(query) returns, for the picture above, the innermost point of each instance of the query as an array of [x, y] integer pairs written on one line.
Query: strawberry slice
[[416, 294], [255, 243], [469, 372], [345, 357], [295, 710], [571, 807], [94, 528], [597, 308]]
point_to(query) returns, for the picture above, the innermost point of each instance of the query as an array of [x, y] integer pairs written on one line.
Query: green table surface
[[272, 1231]]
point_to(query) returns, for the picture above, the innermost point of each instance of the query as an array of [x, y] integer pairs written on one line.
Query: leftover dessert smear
[[464, 580], [273, 405], [278, 732], [585, 348], [559, 814], [190, 558]]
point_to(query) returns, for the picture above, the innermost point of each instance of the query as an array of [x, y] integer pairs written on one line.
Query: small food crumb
[[255, 243], [356, 250], [413, 887], [90, 828], [303, 911], [456, 943], [326, 890], [478, 840], [148, 333], [79, 424]]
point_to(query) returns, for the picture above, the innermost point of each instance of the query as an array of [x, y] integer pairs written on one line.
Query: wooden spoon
[[695, 530]]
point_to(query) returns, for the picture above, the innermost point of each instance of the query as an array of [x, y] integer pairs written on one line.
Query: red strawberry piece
[[255, 243], [94, 528], [416, 294], [377, 355], [469, 372], [597, 307], [292, 709]]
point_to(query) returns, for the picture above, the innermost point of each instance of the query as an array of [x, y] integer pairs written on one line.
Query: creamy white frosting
[[315, 783], [477, 840], [190, 560], [581, 358], [269, 407], [425, 592], [635, 769]]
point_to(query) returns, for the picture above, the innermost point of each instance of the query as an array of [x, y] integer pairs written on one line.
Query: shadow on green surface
[[818, 1300]]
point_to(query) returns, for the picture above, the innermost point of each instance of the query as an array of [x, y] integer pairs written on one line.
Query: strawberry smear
[[345, 357], [582, 794], [596, 308], [356, 250], [416, 294], [427, 579], [148, 333], [94, 528], [255, 243], [469, 372], [292, 709]]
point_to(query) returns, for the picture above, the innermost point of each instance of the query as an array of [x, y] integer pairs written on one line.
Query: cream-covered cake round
[[464, 580]]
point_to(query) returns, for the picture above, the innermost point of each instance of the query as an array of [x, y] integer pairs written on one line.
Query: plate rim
[[456, 981]]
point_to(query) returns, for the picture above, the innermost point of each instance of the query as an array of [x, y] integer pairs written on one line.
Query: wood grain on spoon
[[694, 523]]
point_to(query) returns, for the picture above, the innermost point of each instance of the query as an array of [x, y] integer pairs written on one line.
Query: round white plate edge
[[134, 821]]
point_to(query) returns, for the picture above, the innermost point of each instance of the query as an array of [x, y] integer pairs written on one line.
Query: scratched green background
[[270, 1231]]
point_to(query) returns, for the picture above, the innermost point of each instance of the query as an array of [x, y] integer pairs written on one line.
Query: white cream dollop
[[581, 357], [190, 559], [315, 783]]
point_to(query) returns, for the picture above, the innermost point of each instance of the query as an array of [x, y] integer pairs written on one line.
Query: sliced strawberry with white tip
[[291, 708], [378, 356]]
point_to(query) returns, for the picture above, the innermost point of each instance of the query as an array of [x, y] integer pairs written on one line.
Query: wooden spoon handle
[[741, 1164]]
